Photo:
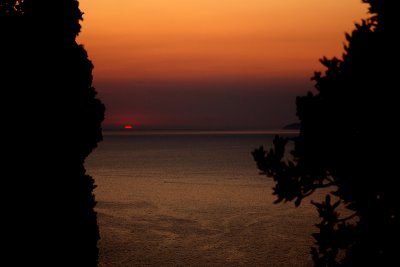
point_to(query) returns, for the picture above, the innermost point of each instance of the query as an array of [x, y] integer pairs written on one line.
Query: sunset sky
[[210, 64]]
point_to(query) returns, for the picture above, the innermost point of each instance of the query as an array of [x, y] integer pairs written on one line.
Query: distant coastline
[[292, 126]]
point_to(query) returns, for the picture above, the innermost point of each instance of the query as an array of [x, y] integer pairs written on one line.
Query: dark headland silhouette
[[292, 126], [346, 144], [51, 121]]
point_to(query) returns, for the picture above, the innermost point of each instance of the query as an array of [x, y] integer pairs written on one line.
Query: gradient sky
[[210, 64]]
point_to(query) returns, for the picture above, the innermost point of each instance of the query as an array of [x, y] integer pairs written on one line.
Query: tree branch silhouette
[[343, 145]]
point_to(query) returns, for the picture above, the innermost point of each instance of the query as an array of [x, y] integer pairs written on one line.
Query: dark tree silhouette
[[348, 143], [51, 122]]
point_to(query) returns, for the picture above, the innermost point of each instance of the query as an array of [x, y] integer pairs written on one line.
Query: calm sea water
[[193, 199]]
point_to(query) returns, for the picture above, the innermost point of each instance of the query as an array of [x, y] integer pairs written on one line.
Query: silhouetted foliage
[[51, 122], [346, 143]]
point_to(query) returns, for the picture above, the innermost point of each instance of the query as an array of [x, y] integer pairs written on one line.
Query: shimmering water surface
[[193, 199]]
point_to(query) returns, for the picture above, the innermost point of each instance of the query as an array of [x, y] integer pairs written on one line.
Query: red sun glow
[[128, 126]]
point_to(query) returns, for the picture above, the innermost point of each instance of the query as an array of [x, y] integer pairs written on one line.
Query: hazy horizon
[[199, 129]]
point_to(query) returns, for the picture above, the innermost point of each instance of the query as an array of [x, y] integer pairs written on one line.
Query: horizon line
[[197, 131]]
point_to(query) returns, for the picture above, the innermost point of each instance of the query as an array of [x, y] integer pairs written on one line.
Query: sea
[[193, 198]]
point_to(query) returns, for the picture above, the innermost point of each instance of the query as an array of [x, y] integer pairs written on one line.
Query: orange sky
[[180, 39], [142, 47]]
